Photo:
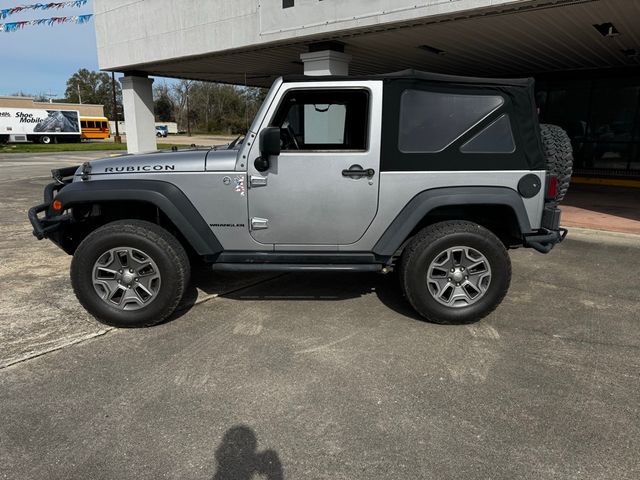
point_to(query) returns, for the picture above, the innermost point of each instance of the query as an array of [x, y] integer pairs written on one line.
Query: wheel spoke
[[123, 258], [477, 268], [145, 270], [142, 292], [117, 295], [103, 273]]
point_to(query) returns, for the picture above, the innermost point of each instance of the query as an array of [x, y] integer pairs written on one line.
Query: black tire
[[558, 153], [162, 247], [46, 139], [429, 244]]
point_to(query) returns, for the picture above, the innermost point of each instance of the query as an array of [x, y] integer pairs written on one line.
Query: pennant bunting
[[5, 12], [14, 26]]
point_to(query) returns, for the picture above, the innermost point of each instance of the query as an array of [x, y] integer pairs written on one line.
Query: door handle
[[358, 172]]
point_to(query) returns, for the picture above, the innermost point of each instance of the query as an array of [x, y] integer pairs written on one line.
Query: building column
[[326, 62], [137, 99]]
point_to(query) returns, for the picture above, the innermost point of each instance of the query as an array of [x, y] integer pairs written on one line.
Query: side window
[[91, 124], [323, 120], [83, 124], [496, 137], [431, 121], [104, 125]]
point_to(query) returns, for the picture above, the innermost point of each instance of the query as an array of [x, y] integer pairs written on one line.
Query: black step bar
[[293, 267]]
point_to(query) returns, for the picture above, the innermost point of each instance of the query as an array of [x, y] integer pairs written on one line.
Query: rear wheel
[[455, 272], [46, 139], [130, 273]]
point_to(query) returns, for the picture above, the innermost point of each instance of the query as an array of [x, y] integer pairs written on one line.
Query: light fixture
[[607, 29], [430, 49]]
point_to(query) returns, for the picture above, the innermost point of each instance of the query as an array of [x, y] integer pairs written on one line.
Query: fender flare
[[424, 202], [164, 195]]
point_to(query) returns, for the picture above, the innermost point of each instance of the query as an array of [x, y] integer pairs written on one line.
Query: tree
[[163, 104], [87, 86], [214, 107]]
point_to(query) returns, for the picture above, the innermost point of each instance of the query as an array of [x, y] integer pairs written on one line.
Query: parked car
[[162, 131], [433, 175]]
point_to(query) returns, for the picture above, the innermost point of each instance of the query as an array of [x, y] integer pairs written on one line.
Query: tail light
[[552, 187]]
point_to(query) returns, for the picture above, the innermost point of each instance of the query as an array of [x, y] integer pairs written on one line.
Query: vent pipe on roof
[[325, 62]]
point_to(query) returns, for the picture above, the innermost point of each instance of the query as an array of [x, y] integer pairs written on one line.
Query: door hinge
[[259, 223], [257, 181]]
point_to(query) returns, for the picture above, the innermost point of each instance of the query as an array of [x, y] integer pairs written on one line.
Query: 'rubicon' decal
[[141, 168]]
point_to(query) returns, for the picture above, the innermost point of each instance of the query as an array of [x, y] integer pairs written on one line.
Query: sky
[[39, 59]]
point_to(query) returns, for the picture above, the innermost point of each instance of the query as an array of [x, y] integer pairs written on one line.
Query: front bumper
[[550, 234], [44, 226]]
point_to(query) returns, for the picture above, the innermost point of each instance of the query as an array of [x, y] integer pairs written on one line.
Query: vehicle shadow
[[237, 457], [297, 287]]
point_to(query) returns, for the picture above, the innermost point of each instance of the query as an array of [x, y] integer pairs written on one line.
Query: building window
[[287, 3], [497, 137], [602, 118], [421, 127], [323, 120]]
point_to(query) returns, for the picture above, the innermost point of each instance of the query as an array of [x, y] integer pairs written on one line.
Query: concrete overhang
[[250, 42]]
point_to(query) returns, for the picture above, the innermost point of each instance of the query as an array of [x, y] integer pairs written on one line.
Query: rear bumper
[[544, 240], [550, 233]]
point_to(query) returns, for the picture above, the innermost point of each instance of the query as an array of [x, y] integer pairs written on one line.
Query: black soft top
[[411, 74], [519, 105]]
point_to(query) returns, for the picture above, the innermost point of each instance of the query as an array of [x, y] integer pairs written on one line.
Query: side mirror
[[270, 142]]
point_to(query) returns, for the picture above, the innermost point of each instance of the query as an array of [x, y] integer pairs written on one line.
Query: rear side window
[[497, 137], [104, 125], [431, 121]]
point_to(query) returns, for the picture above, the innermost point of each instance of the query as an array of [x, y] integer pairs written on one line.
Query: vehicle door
[[322, 189]]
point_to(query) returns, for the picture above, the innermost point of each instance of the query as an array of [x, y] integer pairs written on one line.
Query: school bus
[[94, 128]]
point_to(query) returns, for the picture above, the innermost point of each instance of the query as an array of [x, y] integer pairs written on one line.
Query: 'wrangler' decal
[[140, 168]]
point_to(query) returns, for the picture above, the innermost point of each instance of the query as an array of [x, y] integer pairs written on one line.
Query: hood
[[168, 161], [222, 160], [192, 160]]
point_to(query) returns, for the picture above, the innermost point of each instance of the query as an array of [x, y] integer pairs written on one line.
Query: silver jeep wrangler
[[432, 175]]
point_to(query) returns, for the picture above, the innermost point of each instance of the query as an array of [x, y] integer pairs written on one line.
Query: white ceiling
[[545, 36]]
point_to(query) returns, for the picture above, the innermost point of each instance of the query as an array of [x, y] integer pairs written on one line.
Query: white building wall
[[133, 33]]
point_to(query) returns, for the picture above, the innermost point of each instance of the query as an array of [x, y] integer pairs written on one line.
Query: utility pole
[[188, 119], [79, 97], [116, 138]]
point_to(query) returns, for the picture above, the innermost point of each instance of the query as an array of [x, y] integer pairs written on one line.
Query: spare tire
[[558, 153]]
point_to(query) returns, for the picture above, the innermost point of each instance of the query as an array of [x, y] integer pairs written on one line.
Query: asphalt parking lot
[[319, 376]]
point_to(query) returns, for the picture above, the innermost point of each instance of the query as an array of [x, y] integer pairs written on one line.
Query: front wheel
[[46, 139], [130, 273], [455, 272]]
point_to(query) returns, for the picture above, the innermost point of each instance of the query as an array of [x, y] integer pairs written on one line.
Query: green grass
[[72, 147]]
